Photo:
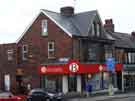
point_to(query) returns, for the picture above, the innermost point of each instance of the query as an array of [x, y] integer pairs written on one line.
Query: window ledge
[[51, 57]]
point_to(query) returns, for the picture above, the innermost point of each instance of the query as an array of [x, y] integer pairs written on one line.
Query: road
[[121, 99], [110, 99]]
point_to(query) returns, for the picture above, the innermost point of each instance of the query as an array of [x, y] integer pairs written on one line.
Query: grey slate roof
[[123, 40], [77, 25]]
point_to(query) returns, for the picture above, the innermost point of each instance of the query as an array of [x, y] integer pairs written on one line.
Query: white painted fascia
[[57, 24]]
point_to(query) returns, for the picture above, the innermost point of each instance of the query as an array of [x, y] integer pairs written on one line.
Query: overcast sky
[[15, 15]]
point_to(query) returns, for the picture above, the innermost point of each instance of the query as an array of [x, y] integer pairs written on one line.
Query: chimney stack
[[133, 34], [109, 26], [67, 11]]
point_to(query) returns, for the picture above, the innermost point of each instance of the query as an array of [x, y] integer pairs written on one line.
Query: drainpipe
[[122, 81]]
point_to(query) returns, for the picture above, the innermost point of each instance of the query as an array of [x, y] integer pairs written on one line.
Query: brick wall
[[38, 48]]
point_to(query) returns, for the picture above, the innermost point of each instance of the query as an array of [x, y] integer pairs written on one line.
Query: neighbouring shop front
[[74, 76], [128, 77]]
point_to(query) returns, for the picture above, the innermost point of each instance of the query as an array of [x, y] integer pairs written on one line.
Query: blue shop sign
[[110, 63]]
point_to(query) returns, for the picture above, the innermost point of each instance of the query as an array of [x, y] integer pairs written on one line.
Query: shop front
[[128, 77], [74, 76]]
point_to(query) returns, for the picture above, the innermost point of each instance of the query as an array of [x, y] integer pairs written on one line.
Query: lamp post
[[101, 75]]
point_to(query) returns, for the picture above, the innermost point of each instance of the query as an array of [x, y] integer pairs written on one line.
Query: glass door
[[72, 82]]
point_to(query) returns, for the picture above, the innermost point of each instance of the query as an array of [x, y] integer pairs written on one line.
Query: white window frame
[[10, 54], [133, 57], [7, 82], [44, 27], [51, 50], [129, 58], [108, 54], [98, 30], [93, 29], [24, 52]]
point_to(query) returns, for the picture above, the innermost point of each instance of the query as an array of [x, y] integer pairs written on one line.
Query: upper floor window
[[98, 30], [133, 57], [93, 29], [25, 52], [93, 52], [129, 58], [10, 54], [108, 54], [44, 27], [51, 49]]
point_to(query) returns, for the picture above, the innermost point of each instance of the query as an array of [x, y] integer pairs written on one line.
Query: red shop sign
[[74, 67]]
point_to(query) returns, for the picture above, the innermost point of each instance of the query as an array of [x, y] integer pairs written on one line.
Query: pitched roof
[[123, 40], [76, 25]]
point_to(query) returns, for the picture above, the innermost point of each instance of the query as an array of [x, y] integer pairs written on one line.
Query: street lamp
[[101, 75]]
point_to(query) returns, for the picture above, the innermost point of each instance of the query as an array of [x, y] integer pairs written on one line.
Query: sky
[[16, 15]]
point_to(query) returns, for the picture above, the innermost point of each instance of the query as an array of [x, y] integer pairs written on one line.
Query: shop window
[[52, 82], [44, 28], [24, 52], [95, 81], [10, 54], [51, 50], [105, 80]]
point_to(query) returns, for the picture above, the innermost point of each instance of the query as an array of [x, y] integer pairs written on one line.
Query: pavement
[[104, 97]]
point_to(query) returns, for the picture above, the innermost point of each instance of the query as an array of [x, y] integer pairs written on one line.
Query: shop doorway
[[52, 82], [72, 83]]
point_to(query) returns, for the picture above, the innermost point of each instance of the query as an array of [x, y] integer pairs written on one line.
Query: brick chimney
[[133, 34], [109, 26], [67, 11]]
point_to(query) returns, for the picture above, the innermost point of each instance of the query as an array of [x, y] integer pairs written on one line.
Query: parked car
[[9, 96], [39, 94]]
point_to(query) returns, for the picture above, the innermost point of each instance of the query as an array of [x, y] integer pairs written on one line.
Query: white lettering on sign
[[45, 70], [73, 67], [55, 70]]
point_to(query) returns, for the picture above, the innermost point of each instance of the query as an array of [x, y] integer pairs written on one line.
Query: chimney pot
[[67, 11], [133, 34], [109, 26]]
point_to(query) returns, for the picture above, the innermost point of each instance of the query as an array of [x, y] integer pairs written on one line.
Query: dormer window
[[98, 30], [44, 27], [93, 29]]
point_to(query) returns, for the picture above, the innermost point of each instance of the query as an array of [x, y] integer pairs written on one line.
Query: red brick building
[[52, 40]]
